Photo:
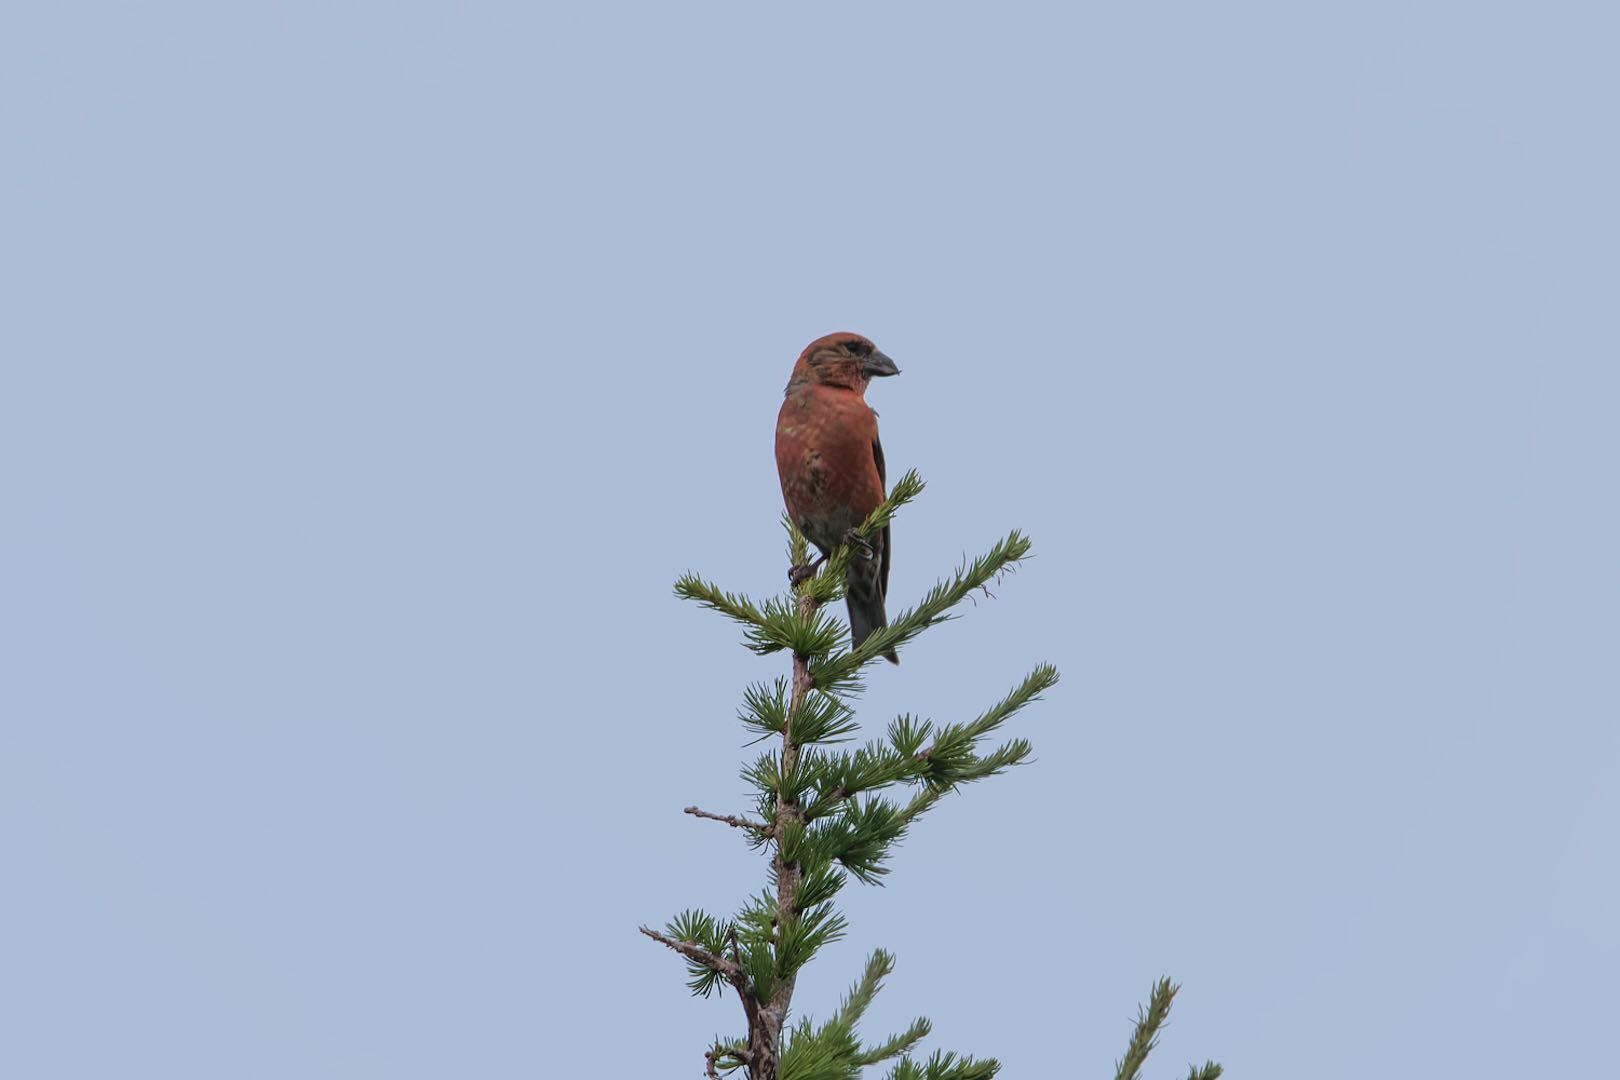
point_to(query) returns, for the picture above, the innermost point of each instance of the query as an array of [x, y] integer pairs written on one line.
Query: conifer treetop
[[826, 812]]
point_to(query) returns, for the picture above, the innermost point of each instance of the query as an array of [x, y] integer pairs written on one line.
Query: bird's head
[[842, 359]]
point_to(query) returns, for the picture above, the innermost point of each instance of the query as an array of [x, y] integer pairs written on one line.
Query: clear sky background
[[372, 369]]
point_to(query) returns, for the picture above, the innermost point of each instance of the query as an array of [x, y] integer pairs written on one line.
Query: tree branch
[[1145, 1036], [731, 971], [733, 820]]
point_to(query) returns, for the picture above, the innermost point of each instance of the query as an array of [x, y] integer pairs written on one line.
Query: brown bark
[[765, 1024]]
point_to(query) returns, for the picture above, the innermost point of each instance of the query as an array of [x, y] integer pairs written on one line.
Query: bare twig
[[733, 820]]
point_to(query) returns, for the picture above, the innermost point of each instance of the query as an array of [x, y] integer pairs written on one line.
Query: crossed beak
[[878, 364]]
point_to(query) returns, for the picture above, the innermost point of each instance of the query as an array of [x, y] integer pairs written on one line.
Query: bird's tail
[[866, 614]]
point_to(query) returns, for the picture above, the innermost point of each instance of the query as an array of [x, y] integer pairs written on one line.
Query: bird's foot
[[798, 575], [854, 537]]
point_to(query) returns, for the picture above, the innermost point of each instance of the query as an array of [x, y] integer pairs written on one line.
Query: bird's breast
[[825, 459]]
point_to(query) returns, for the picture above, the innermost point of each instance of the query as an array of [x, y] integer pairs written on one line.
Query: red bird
[[831, 465]]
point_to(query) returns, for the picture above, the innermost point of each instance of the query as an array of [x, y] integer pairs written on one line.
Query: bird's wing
[[888, 544]]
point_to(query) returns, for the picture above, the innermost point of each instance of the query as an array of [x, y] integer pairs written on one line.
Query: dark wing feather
[[887, 545]]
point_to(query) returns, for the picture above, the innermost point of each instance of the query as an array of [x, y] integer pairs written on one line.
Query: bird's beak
[[878, 364]]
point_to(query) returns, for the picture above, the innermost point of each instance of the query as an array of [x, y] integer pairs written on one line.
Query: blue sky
[[371, 371]]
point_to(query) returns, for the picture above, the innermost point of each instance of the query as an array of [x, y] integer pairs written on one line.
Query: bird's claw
[[798, 575], [854, 537]]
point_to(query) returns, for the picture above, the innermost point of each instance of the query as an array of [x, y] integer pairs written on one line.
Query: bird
[[830, 463]]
